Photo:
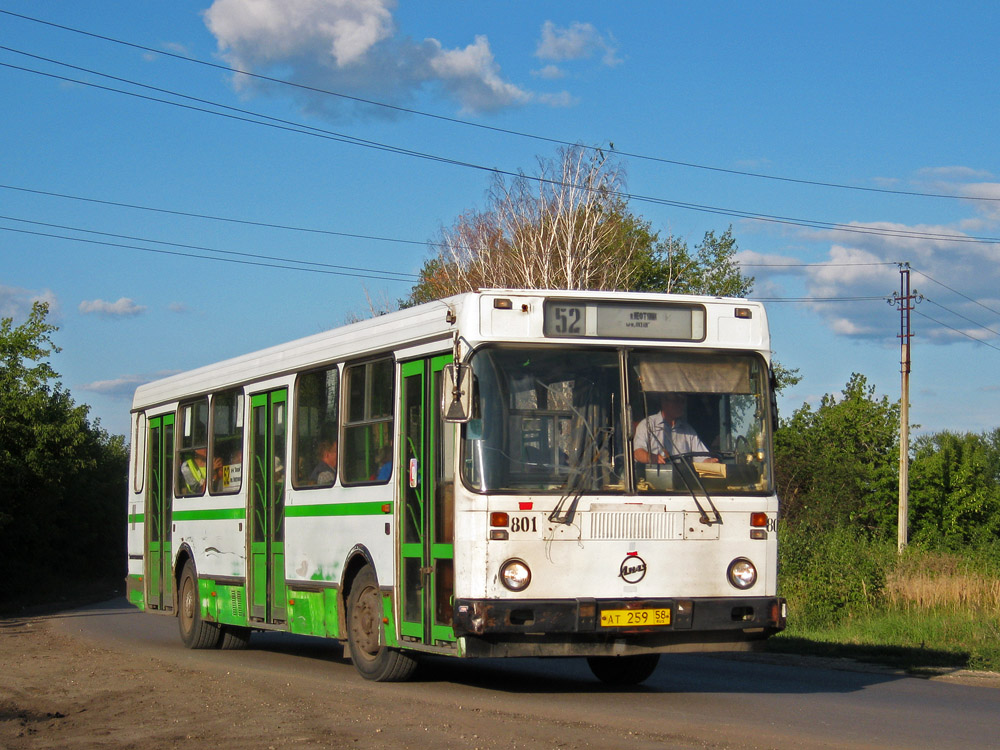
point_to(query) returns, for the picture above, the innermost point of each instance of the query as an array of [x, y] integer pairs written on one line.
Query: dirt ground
[[60, 691]]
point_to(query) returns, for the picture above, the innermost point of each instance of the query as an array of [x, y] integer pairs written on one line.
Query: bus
[[499, 473]]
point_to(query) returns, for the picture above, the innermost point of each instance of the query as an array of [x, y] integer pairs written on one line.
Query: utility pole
[[904, 302]]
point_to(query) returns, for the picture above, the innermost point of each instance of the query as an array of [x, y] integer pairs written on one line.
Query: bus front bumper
[[557, 627]]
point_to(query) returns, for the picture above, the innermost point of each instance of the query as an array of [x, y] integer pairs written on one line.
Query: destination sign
[[629, 320]]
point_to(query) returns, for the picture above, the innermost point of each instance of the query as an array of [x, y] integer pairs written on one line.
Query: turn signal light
[[758, 520], [499, 519]]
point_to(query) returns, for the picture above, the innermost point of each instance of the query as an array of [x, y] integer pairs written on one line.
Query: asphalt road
[[689, 701]]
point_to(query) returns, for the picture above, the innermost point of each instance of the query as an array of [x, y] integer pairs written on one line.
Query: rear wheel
[[623, 670], [234, 637], [195, 632], [366, 634]]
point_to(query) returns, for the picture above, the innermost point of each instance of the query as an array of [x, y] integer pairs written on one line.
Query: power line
[[492, 128], [956, 330], [302, 129], [963, 317], [818, 299], [960, 294], [210, 217], [408, 277], [818, 265], [201, 257]]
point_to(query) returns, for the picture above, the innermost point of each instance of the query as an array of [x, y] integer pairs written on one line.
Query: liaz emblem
[[633, 569]]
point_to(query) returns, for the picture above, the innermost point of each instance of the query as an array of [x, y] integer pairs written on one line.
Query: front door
[[427, 477], [159, 494], [266, 528]]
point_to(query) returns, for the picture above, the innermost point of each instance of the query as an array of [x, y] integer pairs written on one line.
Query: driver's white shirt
[[682, 437]]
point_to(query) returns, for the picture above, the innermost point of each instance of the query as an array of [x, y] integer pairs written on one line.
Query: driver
[[664, 433]]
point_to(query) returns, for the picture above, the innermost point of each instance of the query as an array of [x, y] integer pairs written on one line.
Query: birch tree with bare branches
[[569, 227]]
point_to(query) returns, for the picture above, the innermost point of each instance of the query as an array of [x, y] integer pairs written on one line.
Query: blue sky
[[894, 106]]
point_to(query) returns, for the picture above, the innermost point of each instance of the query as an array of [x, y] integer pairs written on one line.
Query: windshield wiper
[[684, 460]]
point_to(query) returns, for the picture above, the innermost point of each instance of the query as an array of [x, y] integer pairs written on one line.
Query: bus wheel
[[623, 670], [234, 637], [195, 632], [366, 634]]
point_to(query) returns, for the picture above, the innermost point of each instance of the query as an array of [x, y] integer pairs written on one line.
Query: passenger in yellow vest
[[193, 473]]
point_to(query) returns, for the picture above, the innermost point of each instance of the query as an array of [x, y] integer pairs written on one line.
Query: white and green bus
[[499, 473]]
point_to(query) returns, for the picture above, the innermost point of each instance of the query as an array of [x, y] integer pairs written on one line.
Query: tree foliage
[[955, 489], [837, 464], [568, 227], [62, 513]]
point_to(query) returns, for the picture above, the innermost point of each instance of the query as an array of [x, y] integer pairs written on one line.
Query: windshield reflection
[[552, 421]]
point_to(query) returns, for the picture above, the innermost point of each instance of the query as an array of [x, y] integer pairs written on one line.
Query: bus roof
[[430, 322]]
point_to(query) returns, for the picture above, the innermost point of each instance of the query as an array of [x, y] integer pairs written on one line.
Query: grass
[[906, 639], [929, 609]]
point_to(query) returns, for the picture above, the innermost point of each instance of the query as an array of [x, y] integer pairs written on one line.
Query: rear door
[[266, 527], [426, 548], [159, 506]]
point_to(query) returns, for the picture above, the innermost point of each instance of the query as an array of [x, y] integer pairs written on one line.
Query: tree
[[569, 227], [64, 478], [955, 489], [837, 465], [670, 267]]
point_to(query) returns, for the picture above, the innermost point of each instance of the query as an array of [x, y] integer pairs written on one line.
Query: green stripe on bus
[[214, 514], [339, 509]]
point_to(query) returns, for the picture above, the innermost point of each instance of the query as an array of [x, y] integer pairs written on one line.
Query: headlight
[[742, 573], [515, 575]]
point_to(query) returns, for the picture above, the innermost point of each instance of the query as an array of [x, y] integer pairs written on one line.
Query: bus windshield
[[555, 420]]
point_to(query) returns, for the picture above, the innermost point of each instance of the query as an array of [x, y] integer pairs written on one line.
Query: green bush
[[829, 574]]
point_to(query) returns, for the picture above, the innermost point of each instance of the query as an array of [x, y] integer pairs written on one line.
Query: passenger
[[194, 472], [385, 464], [666, 433], [326, 470]]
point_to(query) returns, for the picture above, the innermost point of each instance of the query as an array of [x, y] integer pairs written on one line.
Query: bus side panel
[[216, 537], [134, 588], [323, 527]]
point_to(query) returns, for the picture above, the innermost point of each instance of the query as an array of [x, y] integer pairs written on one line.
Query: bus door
[[159, 506], [428, 506], [266, 525]]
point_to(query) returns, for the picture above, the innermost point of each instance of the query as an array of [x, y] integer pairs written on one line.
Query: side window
[[317, 395], [227, 442], [367, 449], [139, 451], [192, 445]]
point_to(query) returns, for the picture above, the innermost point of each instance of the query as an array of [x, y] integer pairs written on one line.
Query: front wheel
[[195, 632], [366, 634], [623, 670]]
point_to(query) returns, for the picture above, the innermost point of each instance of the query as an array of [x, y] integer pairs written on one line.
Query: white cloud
[[473, 75], [16, 302], [953, 173], [958, 278], [352, 47], [577, 41], [123, 386], [549, 72], [123, 308]]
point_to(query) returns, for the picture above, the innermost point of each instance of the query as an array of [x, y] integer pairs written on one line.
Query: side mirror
[[456, 393]]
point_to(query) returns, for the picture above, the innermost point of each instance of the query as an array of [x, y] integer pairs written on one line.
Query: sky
[[174, 212]]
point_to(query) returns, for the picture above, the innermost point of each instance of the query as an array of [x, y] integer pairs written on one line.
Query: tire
[[234, 638], [623, 670], [195, 632], [366, 634]]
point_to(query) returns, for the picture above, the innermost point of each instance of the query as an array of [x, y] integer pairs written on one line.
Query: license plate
[[626, 618]]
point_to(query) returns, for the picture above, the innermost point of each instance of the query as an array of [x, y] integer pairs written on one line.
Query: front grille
[[630, 525]]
